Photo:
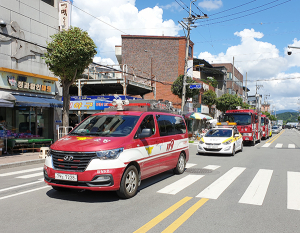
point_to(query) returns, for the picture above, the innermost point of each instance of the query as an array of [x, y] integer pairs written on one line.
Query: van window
[[170, 125], [147, 123]]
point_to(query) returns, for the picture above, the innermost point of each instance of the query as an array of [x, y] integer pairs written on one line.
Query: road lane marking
[[20, 172], [181, 184], [212, 167], [291, 146], [163, 215], [28, 191], [256, 192], [22, 185], [277, 136], [188, 165], [279, 145], [266, 145], [293, 190], [179, 221], [217, 188], [30, 175]]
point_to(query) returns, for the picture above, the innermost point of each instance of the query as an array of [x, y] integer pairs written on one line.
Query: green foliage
[[69, 53], [209, 97], [272, 118], [288, 116], [211, 81], [228, 101], [299, 118], [176, 87]]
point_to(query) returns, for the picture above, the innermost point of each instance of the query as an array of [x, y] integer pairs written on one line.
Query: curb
[[23, 163]]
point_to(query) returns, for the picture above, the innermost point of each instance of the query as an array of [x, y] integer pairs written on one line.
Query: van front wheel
[[129, 183], [180, 167]]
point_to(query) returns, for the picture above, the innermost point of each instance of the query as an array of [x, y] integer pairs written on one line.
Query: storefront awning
[[31, 101], [5, 103]]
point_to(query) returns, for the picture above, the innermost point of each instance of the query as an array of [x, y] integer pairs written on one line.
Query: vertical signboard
[[64, 15]]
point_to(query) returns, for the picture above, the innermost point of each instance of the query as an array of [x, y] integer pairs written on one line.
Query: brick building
[[234, 85], [159, 57]]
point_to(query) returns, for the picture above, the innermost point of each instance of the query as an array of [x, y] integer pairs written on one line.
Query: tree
[[211, 81], [209, 98], [228, 101], [176, 87], [68, 54]]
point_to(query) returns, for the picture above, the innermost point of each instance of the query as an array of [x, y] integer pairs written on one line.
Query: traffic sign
[[195, 86]]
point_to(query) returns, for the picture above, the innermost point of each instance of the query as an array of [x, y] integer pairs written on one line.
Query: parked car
[[275, 129]]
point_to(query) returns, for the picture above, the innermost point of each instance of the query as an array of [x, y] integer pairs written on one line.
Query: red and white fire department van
[[115, 150], [248, 123]]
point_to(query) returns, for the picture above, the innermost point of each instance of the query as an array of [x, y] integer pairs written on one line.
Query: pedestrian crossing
[[254, 194], [280, 145]]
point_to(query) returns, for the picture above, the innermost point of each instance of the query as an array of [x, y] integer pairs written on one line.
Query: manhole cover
[[198, 170]]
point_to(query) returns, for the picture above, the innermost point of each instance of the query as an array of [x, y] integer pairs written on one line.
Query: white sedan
[[221, 140]]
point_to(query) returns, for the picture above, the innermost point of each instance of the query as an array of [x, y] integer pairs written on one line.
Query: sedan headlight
[[201, 141], [227, 142], [109, 154]]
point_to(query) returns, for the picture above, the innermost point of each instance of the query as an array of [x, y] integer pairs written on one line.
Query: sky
[[254, 33]]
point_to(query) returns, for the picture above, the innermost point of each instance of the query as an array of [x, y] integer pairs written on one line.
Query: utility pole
[[246, 94], [190, 20], [232, 76], [257, 95]]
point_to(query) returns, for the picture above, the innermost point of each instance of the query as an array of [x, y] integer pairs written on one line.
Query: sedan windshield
[[106, 125], [219, 133]]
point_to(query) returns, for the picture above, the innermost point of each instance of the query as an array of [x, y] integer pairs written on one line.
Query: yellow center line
[[185, 216], [163, 215], [277, 136]]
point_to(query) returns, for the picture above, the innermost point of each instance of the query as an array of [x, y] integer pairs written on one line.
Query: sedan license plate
[[69, 177], [212, 146]]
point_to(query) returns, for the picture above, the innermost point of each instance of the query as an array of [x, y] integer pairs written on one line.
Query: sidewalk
[[19, 159]]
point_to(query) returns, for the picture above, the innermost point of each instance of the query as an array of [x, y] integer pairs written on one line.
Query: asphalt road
[[257, 190]]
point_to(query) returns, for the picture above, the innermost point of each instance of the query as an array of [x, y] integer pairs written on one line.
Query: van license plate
[[69, 177]]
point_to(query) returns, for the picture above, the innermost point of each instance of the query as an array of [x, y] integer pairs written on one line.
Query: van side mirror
[[145, 133]]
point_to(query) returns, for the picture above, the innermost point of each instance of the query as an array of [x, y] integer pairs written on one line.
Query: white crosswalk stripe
[[218, 187], [22, 171], [30, 175], [291, 146], [257, 190], [188, 165], [279, 145], [180, 184], [293, 190], [266, 145]]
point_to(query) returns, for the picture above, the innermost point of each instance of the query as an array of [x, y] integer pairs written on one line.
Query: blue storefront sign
[[94, 102]]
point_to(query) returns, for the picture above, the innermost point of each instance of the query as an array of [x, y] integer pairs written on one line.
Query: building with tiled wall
[[234, 85], [24, 75], [163, 57]]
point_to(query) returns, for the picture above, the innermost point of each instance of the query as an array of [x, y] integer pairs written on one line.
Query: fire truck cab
[[248, 123]]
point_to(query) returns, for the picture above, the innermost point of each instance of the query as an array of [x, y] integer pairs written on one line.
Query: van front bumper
[[95, 180]]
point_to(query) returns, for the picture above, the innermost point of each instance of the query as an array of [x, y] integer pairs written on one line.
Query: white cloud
[[123, 15], [265, 64], [211, 4]]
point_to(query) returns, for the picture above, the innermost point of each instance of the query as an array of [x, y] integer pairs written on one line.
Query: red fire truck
[[248, 123], [265, 127]]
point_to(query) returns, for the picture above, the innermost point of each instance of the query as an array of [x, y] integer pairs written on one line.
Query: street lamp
[[289, 52]]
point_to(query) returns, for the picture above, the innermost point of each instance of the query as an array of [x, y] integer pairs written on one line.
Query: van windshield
[[106, 125]]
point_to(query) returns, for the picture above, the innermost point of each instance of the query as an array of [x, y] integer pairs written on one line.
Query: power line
[[233, 8], [247, 14], [100, 20]]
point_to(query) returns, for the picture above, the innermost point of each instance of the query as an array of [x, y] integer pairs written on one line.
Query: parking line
[[163, 215], [20, 172], [30, 175], [179, 221], [22, 185]]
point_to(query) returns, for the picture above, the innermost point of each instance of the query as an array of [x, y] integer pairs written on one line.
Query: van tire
[[180, 167], [129, 183]]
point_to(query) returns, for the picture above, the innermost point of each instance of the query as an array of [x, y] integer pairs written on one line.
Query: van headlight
[[227, 142], [109, 154]]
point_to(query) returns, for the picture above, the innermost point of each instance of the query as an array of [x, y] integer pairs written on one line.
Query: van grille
[[71, 161]]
